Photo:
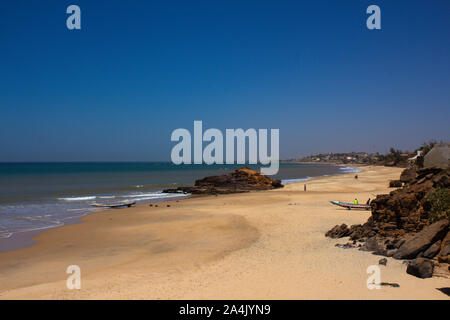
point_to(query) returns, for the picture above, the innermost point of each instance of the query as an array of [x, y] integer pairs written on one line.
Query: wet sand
[[259, 245]]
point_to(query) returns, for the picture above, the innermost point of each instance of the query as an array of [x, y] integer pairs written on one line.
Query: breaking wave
[[349, 170]]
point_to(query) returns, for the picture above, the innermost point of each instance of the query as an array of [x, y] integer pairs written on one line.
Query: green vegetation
[[427, 146], [439, 200], [393, 156]]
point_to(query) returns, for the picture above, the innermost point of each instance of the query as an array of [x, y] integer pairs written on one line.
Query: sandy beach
[[258, 245]]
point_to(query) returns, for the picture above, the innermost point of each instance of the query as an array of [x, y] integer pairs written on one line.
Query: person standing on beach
[[356, 201]]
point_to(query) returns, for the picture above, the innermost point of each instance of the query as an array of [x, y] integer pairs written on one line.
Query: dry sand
[[260, 245]]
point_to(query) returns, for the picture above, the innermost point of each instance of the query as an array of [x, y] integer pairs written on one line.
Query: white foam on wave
[[153, 195], [135, 196], [349, 169], [78, 198], [287, 181], [5, 235]]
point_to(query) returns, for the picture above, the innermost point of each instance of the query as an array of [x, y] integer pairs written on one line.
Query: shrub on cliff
[[427, 146], [439, 202]]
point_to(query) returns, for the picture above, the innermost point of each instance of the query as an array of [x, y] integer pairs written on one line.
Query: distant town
[[393, 158]]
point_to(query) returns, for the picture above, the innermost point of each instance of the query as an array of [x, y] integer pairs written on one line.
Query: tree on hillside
[[426, 147]]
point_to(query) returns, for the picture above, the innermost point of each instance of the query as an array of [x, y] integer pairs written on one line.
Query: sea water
[[38, 196]]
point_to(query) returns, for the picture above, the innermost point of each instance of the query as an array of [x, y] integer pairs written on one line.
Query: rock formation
[[422, 240], [403, 223], [395, 184], [240, 180], [338, 231], [404, 210], [421, 268]]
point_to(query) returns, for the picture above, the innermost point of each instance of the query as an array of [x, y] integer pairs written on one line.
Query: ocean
[[38, 196]]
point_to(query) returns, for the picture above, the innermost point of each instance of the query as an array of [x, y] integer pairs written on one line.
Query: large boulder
[[421, 268], [408, 175], [444, 254], [380, 246], [438, 157], [433, 250], [422, 240], [240, 180], [338, 231], [395, 184], [445, 248]]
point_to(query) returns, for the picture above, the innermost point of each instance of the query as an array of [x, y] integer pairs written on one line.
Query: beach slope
[[258, 245]]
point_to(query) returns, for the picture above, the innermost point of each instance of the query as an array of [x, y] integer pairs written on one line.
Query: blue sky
[[137, 70]]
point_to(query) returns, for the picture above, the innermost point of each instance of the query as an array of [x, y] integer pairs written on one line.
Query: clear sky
[[137, 70]]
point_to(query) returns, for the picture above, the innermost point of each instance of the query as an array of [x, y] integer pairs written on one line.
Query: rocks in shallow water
[[338, 231], [382, 262], [422, 240], [421, 268], [433, 250], [240, 180]]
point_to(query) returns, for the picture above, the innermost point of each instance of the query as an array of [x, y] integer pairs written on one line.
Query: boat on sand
[[114, 205], [350, 206]]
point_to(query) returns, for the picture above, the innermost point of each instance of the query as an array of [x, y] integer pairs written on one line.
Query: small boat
[[350, 206], [114, 205]]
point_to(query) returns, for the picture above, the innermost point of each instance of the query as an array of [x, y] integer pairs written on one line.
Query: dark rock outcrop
[[380, 246], [433, 250], [421, 268], [401, 222], [422, 240], [445, 249], [405, 210], [444, 254], [395, 184], [408, 175], [240, 180], [338, 231]]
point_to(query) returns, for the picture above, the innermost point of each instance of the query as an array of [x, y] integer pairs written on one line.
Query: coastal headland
[[257, 245]]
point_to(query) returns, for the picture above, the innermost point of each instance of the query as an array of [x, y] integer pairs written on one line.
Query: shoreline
[[25, 239], [256, 245]]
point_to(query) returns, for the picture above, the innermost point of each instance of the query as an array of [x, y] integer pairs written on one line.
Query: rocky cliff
[[404, 210], [405, 225]]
